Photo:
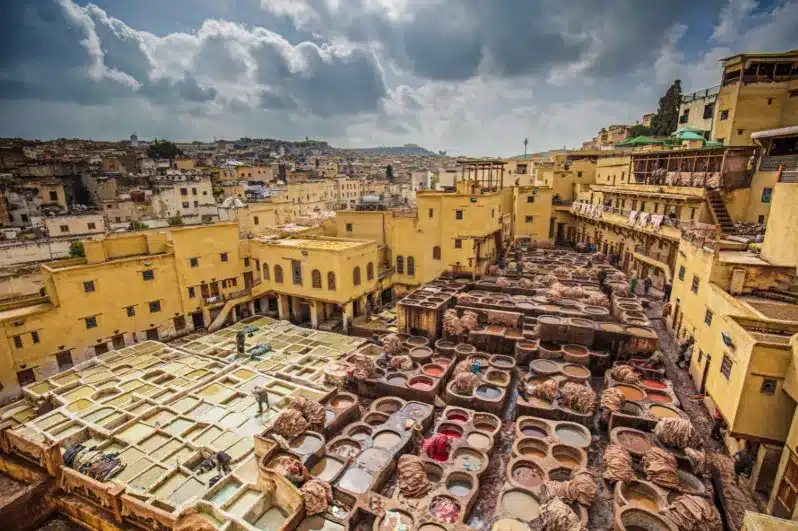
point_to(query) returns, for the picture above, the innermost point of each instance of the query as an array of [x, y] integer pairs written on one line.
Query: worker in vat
[[654, 361]]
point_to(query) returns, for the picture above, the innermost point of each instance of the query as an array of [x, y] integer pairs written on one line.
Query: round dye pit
[[575, 350], [443, 362], [361, 433], [533, 448], [306, 443], [433, 369], [340, 402], [345, 448], [653, 384], [640, 495], [386, 439], [421, 383], [444, 508], [468, 460], [416, 410], [502, 362], [576, 371], [662, 412], [528, 474], [396, 520], [431, 527], [450, 430], [534, 431], [635, 442], [544, 367], [497, 377], [572, 435], [399, 380], [373, 459], [480, 441], [388, 405], [560, 474], [457, 416], [459, 486], [434, 472], [485, 423], [327, 468], [630, 408], [566, 455], [631, 393], [636, 519], [488, 392], [375, 419], [520, 504], [662, 398]]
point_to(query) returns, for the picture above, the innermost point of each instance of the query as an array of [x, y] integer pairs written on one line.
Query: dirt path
[[738, 500]]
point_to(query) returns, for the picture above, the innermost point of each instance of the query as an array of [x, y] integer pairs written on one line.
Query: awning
[[781, 131]]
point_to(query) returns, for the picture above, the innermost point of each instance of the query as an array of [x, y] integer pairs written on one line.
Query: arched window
[[411, 266], [370, 271], [266, 272], [356, 276], [278, 274], [315, 278], [400, 264], [331, 281], [436, 253]]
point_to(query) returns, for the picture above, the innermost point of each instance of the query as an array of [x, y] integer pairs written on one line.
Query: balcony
[[788, 163]]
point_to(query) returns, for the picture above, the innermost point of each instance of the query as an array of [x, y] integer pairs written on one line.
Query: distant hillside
[[397, 150]]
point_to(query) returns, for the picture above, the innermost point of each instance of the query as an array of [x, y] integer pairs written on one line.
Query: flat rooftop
[[772, 309], [741, 257], [322, 245]]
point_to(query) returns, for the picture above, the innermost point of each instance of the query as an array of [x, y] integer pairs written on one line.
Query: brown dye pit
[[575, 350], [340, 402], [528, 475], [636, 442], [360, 434], [639, 499], [355, 480], [326, 469], [386, 439], [489, 392], [434, 472], [631, 393], [577, 371], [571, 435], [662, 412], [521, 505], [534, 431], [566, 456]]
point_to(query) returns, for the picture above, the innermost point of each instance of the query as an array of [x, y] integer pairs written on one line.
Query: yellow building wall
[[781, 239], [540, 212]]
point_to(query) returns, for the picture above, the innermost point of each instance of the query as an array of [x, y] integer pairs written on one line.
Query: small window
[[436, 253], [64, 228], [740, 132], [400, 264], [579, 174], [224, 257], [708, 318], [155, 306], [196, 204], [793, 93], [255, 220], [53, 196], [726, 366], [35, 336], [315, 278], [458, 244], [180, 323], [767, 194], [458, 214], [91, 322], [192, 292], [492, 212], [708, 110], [26, 377], [148, 274], [761, 220], [356, 275], [131, 311], [18, 341], [529, 219], [431, 212], [265, 271], [184, 191], [88, 286], [92, 226], [186, 204], [770, 101], [246, 261], [694, 286], [530, 199], [296, 272], [370, 271], [193, 191], [194, 262], [331, 281], [348, 227], [768, 386], [64, 360], [724, 115], [411, 266], [278, 274]]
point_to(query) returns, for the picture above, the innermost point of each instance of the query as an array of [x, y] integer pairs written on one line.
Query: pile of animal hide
[[546, 391], [618, 464], [502, 281], [512, 267], [546, 280], [660, 468], [317, 494], [700, 462], [413, 481], [311, 410], [465, 383], [469, 320], [403, 363], [524, 283], [452, 324], [363, 367], [392, 343], [578, 397], [290, 423], [675, 432], [580, 488], [464, 298], [612, 399], [692, 513], [557, 516], [573, 292], [192, 520], [599, 257], [598, 299], [625, 374]]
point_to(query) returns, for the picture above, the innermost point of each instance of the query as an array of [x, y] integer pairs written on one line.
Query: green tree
[[163, 149], [667, 117], [389, 172], [175, 221], [76, 250], [136, 225], [640, 130]]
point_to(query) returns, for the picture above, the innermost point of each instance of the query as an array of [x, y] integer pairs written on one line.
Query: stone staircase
[[719, 212]]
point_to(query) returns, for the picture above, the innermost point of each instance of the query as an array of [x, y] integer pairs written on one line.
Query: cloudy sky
[[469, 76]]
